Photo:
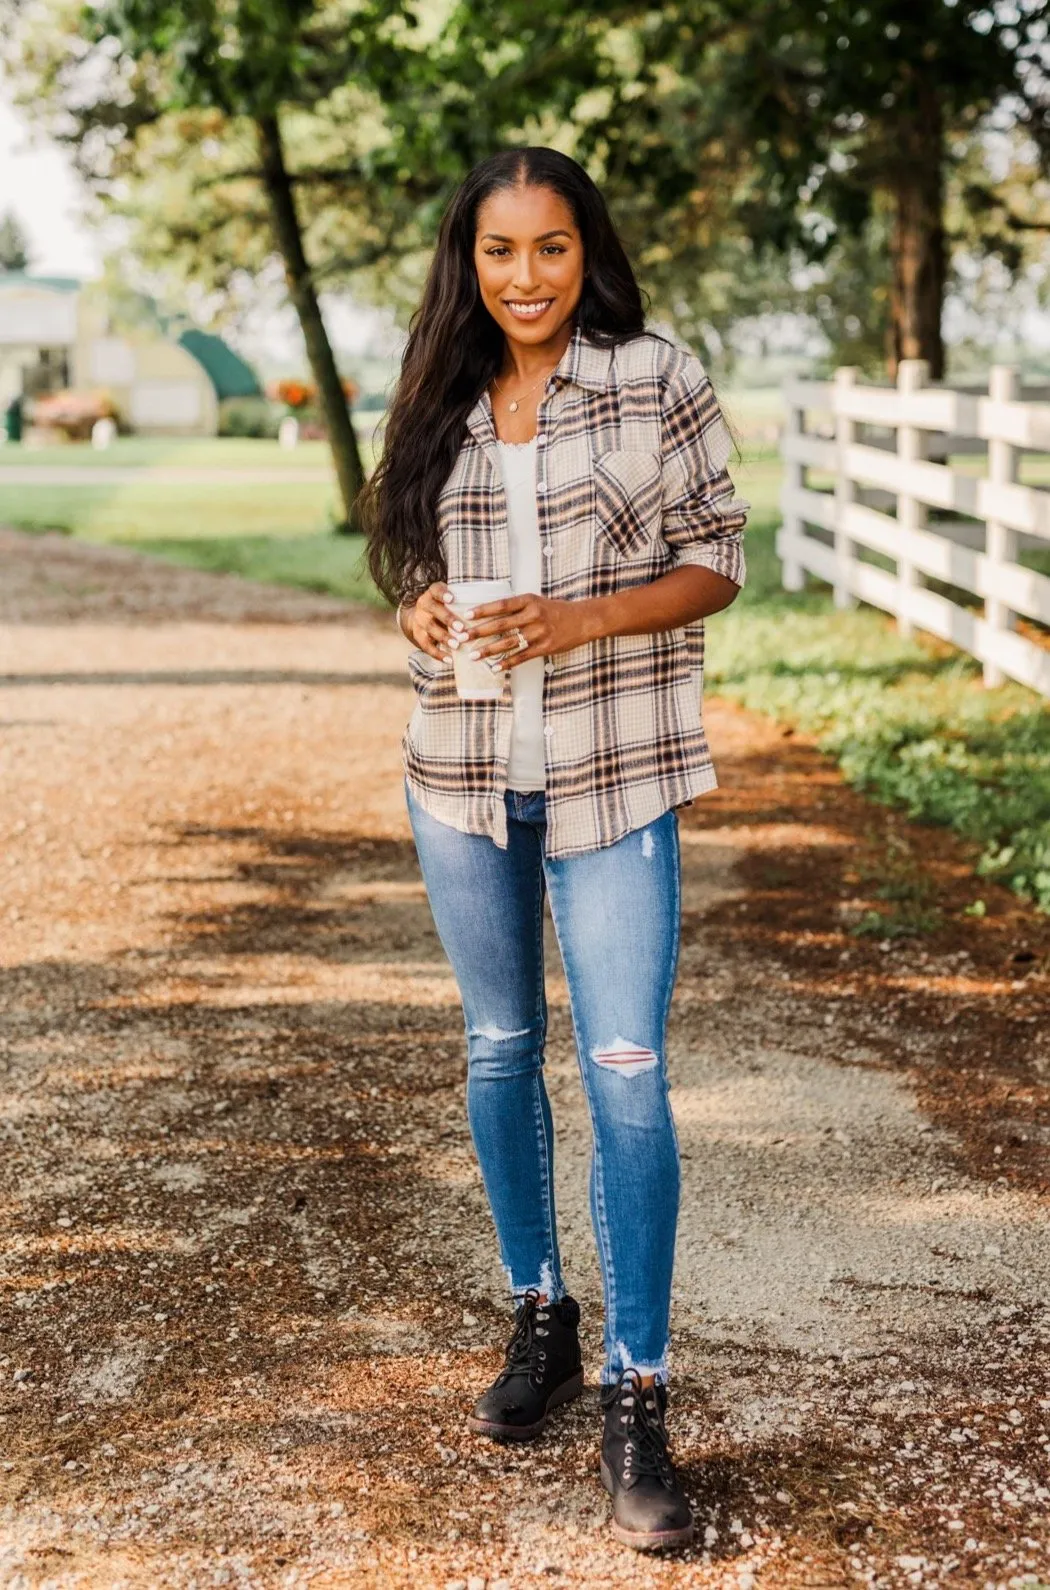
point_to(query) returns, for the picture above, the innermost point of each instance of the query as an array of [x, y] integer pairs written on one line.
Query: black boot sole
[[646, 1540], [566, 1392]]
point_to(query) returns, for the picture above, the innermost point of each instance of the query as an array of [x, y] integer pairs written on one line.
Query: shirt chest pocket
[[628, 491]]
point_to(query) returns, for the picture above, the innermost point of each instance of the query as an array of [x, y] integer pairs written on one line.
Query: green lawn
[[135, 452], [908, 721], [175, 452], [326, 562], [144, 511], [277, 531]]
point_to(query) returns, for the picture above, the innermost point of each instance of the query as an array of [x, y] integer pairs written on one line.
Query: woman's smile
[[528, 310]]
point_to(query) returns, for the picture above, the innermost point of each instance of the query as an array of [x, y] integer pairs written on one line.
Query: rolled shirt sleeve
[[703, 519]]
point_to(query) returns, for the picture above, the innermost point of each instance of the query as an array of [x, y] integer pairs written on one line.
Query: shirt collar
[[584, 363]]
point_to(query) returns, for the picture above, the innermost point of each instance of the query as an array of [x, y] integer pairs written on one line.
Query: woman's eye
[[552, 248]]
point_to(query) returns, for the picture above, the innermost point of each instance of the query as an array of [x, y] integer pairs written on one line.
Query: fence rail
[[888, 451]]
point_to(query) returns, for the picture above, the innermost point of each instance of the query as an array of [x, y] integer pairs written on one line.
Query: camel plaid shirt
[[631, 483]]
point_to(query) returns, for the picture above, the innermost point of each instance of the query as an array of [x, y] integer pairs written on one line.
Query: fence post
[[792, 574], [1000, 541], [845, 488], [912, 376]]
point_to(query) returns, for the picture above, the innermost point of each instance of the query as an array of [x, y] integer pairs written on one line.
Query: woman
[[540, 433]]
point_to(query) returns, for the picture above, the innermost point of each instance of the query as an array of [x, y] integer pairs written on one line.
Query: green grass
[[907, 892], [276, 531], [174, 452], [140, 452], [326, 562], [142, 512], [909, 723]]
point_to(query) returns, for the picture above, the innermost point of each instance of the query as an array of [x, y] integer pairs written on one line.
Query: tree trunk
[[289, 238], [919, 251]]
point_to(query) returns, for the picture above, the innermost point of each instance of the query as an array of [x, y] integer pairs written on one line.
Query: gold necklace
[[513, 405]]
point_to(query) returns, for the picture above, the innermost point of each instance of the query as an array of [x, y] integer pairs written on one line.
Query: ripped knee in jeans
[[625, 1058]]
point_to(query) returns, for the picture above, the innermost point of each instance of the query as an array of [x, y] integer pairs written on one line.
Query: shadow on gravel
[[230, 1222], [219, 1205], [317, 897]]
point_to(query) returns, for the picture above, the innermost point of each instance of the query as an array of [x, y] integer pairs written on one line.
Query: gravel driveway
[[249, 1281]]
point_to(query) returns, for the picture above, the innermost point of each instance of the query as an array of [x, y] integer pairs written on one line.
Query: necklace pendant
[[513, 407]]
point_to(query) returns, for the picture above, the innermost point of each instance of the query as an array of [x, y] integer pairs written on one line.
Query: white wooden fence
[[880, 445]]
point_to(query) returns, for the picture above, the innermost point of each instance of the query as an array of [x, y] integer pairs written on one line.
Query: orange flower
[[296, 394]]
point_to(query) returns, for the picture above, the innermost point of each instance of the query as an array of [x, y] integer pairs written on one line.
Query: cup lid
[[478, 590]]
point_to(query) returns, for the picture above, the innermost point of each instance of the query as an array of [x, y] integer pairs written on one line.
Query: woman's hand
[[428, 624], [495, 629]]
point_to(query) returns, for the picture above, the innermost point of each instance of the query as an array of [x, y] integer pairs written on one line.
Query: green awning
[[229, 374]]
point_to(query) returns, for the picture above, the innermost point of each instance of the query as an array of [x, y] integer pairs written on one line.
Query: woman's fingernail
[[474, 655], [469, 613], [454, 643], [458, 625], [448, 597]]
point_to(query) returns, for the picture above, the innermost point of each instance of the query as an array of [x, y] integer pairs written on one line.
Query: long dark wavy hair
[[455, 348]]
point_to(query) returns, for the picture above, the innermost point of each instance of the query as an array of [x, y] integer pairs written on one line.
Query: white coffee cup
[[475, 680]]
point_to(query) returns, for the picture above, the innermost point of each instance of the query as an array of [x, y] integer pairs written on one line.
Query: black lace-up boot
[[650, 1511], [543, 1369]]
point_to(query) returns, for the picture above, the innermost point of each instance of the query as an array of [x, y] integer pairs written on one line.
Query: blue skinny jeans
[[616, 914]]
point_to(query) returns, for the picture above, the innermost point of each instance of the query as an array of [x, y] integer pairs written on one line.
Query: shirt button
[[548, 550], [548, 668], [541, 441], [541, 486], [548, 731]]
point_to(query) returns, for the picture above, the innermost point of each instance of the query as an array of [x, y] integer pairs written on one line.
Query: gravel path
[[249, 1279]]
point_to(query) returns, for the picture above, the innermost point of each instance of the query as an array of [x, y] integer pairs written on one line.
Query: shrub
[[248, 416]]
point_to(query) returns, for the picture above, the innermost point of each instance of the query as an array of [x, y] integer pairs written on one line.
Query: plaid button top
[[631, 482]]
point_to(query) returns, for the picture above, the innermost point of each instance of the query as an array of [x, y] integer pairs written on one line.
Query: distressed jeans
[[616, 915]]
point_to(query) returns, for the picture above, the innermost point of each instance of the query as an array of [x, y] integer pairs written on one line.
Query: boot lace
[[526, 1354], [645, 1445]]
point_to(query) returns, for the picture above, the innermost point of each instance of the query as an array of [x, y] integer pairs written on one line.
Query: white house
[[54, 336]]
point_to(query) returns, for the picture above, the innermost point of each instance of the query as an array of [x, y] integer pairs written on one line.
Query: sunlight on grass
[[908, 721], [325, 563], [143, 512], [181, 452], [170, 452]]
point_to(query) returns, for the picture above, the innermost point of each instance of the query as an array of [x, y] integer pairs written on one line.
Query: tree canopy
[[792, 124], [759, 155], [179, 110]]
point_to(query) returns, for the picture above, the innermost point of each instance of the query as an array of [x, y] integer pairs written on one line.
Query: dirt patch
[[249, 1281]]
